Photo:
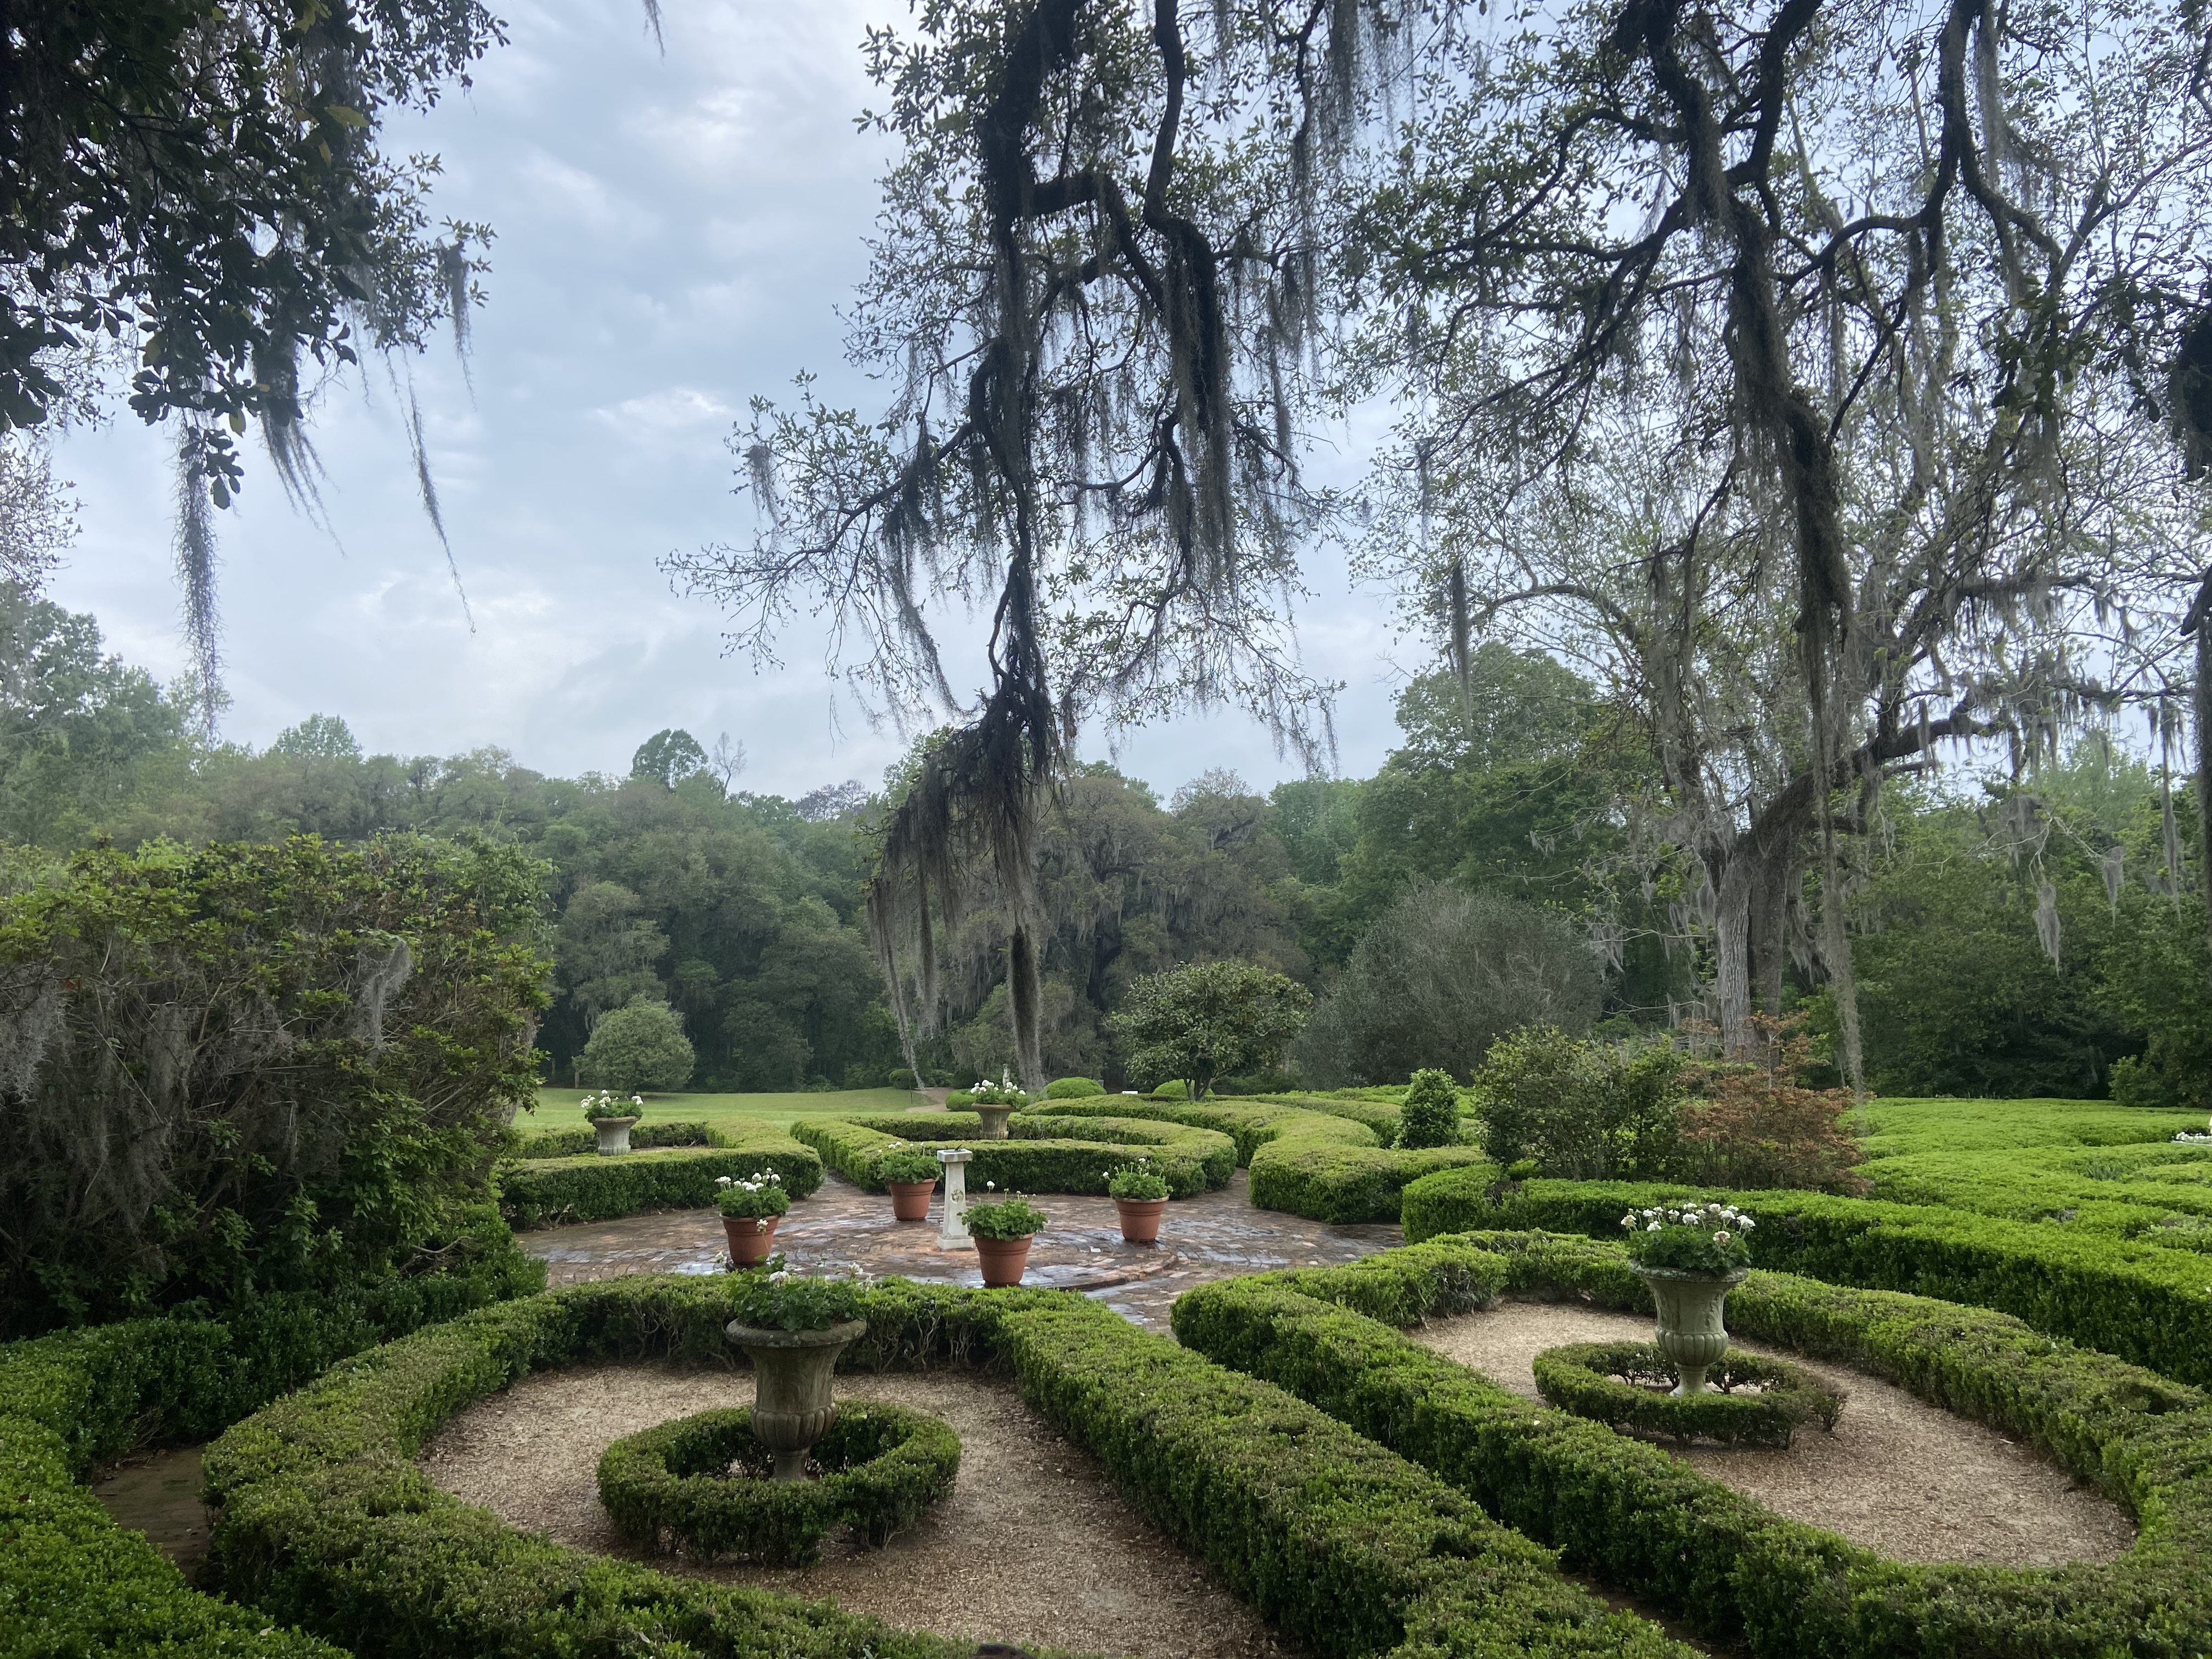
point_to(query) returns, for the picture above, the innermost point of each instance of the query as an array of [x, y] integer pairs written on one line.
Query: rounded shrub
[[701, 1483], [1626, 1385], [640, 1046], [1073, 1088], [1173, 1088], [1430, 1115]]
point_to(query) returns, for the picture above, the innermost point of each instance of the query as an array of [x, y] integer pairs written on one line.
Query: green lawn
[[556, 1108]]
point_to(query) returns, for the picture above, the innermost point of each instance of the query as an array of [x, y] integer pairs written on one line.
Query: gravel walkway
[[1035, 1545], [1898, 1475]]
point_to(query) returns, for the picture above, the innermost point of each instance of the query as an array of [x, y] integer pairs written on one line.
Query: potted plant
[[612, 1118], [1140, 1198], [1002, 1229], [911, 1174], [794, 1327], [995, 1102], [1692, 1255], [749, 1210]]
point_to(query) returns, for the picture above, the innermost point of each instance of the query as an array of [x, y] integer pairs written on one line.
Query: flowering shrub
[[781, 1300], [2203, 1139], [607, 1104], [905, 1162], [1007, 1218], [1135, 1180], [762, 1196], [1696, 1238], [1004, 1092]]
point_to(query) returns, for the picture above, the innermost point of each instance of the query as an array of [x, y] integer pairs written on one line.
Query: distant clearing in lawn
[[557, 1108]]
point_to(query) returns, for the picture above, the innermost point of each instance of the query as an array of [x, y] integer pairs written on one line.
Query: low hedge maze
[[1059, 1152], [543, 1192], [577, 1139], [2141, 1301], [1344, 1544], [1646, 1522]]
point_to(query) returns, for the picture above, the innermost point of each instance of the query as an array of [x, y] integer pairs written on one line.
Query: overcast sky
[[674, 235]]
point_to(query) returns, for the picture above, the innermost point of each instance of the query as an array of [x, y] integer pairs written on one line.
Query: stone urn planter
[[752, 1240], [1690, 1332], [995, 1120], [614, 1134], [1004, 1261], [911, 1199], [791, 1406], [1140, 1219]]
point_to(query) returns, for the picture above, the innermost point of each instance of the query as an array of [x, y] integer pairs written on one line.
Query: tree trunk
[[1732, 947]]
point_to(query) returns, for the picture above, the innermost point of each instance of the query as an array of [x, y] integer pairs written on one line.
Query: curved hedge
[[1325, 1164], [1623, 1385], [2143, 1302], [544, 1191], [1652, 1525], [1059, 1152], [1347, 1546], [883, 1467]]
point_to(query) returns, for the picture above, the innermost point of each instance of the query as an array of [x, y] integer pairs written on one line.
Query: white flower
[[1629, 1222], [1721, 1237], [990, 1186], [778, 1278], [1652, 1228], [721, 1181]]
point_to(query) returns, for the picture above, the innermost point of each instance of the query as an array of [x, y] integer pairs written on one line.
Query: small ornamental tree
[[1430, 1116], [640, 1046], [1209, 1020]]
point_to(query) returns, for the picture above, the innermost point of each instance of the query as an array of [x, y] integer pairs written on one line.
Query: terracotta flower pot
[[1140, 1219], [1004, 1261], [614, 1134], [752, 1238], [792, 1407], [1690, 1332], [911, 1199]]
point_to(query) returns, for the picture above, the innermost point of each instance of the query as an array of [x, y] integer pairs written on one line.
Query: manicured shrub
[[1737, 1573], [1173, 1088], [1073, 1088], [1430, 1115], [2137, 1300], [1346, 1546], [640, 1046], [1074, 1152], [1583, 1110], [579, 1139], [882, 1467], [1626, 1385], [549, 1191]]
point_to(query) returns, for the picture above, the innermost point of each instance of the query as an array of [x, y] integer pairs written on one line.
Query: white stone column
[[953, 1229]]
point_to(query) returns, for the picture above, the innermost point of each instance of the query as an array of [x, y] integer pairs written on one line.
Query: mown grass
[[557, 1108]]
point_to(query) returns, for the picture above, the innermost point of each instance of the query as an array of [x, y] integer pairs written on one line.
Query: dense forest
[[2014, 935]]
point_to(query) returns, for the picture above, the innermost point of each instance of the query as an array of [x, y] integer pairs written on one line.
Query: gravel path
[[1035, 1545], [1898, 1475]]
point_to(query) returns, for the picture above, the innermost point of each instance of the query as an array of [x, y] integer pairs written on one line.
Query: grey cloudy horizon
[[674, 233]]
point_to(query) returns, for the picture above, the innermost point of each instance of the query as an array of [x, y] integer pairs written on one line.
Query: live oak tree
[[1209, 1020], [1093, 293], [1800, 366]]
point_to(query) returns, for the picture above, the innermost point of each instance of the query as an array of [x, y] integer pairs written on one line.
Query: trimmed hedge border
[[1645, 1521], [579, 1139], [1055, 1152], [884, 1466], [1613, 1384], [1342, 1544], [72, 1583], [1326, 1165], [549, 1191], [2143, 1302]]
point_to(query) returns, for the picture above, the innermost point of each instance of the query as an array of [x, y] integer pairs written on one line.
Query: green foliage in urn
[[1430, 1116], [1136, 1182], [608, 1104], [1004, 1092], [762, 1194], [1690, 1237], [1006, 1217], [781, 1300]]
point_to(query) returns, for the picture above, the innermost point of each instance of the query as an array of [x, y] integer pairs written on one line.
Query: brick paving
[[1213, 1235]]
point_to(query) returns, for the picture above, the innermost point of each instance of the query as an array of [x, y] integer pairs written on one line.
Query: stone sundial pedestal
[[952, 1227]]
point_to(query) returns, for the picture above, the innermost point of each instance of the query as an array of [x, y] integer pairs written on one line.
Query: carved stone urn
[[1690, 1331], [995, 1120], [792, 1407], [614, 1134]]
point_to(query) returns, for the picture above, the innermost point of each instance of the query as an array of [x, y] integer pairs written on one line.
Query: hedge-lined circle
[[1624, 1385], [702, 1482]]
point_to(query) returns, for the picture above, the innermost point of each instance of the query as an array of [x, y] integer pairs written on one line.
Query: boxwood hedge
[[2150, 1305], [1344, 1545], [1650, 1524], [1058, 1153], [543, 1192], [577, 1139], [1325, 1164]]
